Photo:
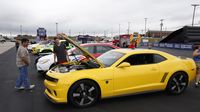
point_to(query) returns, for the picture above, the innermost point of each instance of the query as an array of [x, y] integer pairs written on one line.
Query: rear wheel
[[83, 93], [177, 83]]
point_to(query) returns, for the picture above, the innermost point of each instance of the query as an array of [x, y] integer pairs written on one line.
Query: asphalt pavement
[[12, 100], [6, 46]]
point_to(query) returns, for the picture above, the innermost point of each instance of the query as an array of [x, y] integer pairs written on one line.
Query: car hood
[[51, 57], [85, 52], [32, 45]]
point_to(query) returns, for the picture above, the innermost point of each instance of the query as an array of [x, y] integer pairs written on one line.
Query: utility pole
[[161, 25], [128, 30], [194, 5], [104, 33], [145, 27], [119, 29], [56, 28]]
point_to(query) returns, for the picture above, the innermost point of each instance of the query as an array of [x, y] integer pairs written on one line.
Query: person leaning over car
[[60, 51], [196, 57], [22, 62]]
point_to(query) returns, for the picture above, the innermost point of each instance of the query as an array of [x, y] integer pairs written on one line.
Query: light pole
[[145, 27], [161, 25], [194, 5], [56, 28]]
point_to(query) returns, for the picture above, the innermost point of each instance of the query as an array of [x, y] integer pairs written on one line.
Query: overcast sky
[[94, 16]]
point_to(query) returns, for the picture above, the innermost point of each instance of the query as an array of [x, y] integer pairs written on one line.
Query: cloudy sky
[[94, 16]]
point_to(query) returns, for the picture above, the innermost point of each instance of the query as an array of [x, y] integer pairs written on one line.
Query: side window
[[103, 49], [90, 49], [158, 58], [140, 59]]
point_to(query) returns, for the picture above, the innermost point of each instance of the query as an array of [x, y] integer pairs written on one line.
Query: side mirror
[[124, 64]]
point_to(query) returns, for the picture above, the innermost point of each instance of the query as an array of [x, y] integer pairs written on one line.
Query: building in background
[[185, 35], [157, 33], [41, 34]]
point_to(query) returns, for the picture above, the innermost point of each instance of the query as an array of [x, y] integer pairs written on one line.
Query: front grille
[[49, 91], [51, 78]]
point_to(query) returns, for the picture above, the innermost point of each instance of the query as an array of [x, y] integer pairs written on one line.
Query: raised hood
[[85, 52]]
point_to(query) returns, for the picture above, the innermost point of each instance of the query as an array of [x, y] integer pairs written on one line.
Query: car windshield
[[110, 57]]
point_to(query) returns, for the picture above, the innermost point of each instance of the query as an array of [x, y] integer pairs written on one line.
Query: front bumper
[[55, 93]]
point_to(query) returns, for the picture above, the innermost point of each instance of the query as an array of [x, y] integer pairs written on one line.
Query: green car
[[48, 48]]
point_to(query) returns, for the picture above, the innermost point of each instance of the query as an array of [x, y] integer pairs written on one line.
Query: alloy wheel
[[84, 93], [177, 83]]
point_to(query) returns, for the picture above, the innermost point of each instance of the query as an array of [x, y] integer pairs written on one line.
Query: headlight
[[43, 61]]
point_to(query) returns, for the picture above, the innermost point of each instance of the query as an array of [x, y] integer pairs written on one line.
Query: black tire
[[83, 93], [177, 83]]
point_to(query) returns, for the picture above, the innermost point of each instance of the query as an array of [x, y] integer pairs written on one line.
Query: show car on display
[[2, 40], [115, 73], [43, 64], [44, 47]]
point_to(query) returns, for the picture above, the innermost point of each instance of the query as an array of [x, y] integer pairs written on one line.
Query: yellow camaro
[[117, 72]]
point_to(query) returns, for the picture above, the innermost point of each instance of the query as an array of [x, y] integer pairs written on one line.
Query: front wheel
[[177, 83], [83, 93]]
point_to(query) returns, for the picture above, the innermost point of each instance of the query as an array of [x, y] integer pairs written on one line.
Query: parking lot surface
[[6, 46], [12, 100]]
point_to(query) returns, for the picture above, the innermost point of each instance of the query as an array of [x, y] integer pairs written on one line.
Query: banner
[[171, 45]]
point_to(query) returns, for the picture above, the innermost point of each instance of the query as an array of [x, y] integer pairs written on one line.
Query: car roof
[[140, 50], [96, 44], [100, 44]]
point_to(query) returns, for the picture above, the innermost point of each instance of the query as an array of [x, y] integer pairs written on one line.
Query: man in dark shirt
[[60, 51], [17, 43]]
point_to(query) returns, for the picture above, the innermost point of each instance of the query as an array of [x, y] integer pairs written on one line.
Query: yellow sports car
[[117, 72]]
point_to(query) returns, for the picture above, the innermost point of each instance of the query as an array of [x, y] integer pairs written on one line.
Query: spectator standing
[[196, 57], [132, 45], [17, 43], [60, 51], [22, 62]]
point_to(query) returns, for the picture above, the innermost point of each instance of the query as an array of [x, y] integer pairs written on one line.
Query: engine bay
[[74, 66]]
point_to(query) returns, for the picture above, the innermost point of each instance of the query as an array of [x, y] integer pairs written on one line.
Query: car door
[[142, 75]]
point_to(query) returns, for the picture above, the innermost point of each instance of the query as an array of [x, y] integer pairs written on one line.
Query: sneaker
[[31, 86], [196, 84], [19, 88]]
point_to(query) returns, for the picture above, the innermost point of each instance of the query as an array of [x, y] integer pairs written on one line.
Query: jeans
[[22, 80]]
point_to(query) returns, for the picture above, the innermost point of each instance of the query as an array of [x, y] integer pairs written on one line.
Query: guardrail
[[170, 45]]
